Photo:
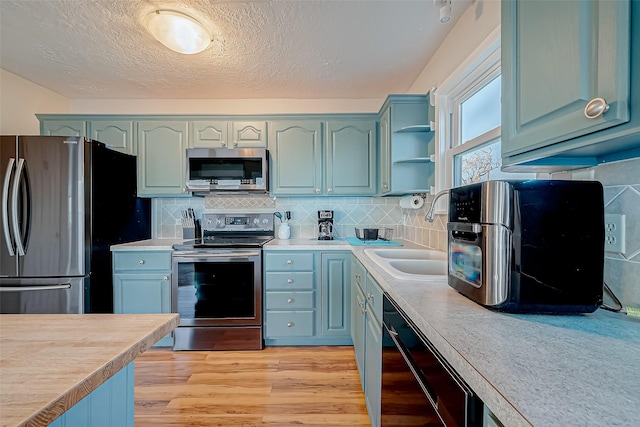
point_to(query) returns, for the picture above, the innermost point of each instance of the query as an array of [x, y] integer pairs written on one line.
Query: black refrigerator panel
[[114, 215], [42, 206]]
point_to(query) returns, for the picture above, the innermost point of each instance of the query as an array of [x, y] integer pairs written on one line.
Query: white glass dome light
[[178, 31]]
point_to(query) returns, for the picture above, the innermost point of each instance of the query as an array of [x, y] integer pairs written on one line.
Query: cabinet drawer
[[141, 261], [293, 280], [289, 323], [374, 297], [288, 261], [289, 300]]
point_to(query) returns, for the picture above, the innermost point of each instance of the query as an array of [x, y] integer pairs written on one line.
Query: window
[[468, 114]]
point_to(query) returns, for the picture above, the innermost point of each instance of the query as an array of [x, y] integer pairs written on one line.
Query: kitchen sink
[[411, 264]]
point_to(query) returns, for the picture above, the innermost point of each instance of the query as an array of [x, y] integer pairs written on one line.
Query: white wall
[[475, 25], [21, 99]]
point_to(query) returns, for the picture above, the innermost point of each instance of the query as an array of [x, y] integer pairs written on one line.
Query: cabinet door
[[336, 294], [161, 158], [373, 369], [249, 134], [296, 163], [117, 135], [384, 168], [208, 134], [350, 158], [357, 328], [556, 58], [63, 128], [141, 293]]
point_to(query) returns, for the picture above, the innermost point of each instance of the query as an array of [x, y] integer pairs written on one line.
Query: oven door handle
[[204, 255]]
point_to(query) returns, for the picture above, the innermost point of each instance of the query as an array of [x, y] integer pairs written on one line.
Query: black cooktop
[[212, 242]]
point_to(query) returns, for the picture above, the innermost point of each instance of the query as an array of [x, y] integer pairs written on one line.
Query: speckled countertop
[[530, 370], [49, 362]]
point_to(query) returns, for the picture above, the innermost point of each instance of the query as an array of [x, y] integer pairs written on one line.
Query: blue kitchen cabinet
[[303, 307], [324, 156], [336, 294], [227, 134], [350, 158], [295, 148], [358, 321], [407, 145], [366, 331], [557, 58], [142, 284], [161, 158], [110, 405], [117, 135], [63, 127]]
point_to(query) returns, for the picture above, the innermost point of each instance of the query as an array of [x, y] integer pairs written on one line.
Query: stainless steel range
[[216, 283]]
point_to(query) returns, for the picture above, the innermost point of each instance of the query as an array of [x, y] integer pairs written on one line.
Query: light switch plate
[[614, 233]]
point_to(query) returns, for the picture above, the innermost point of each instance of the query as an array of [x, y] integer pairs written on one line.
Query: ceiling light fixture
[[445, 10], [178, 31]]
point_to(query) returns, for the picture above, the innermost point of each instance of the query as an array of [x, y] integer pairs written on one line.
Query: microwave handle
[[465, 226]]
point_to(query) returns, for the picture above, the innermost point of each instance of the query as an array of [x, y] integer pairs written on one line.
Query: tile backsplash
[[348, 212]]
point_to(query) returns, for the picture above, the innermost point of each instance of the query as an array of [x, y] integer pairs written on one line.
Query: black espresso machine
[[528, 246]]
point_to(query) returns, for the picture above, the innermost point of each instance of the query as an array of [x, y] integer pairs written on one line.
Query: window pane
[[481, 112], [482, 164]]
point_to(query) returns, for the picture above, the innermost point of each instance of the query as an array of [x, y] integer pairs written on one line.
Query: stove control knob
[[256, 221], [265, 221]]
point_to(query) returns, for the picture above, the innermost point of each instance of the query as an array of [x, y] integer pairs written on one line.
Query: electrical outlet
[[614, 231]]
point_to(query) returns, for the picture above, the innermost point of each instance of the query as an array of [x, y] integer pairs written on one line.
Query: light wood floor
[[278, 386]]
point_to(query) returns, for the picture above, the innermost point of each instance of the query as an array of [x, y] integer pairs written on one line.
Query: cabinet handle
[[140, 261], [329, 190], [385, 185], [289, 261], [290, 325], [595, 108], [235, 143], [369, 296], [165, 278], [289, 280], [224, 144], [317, 190], [290, 300]]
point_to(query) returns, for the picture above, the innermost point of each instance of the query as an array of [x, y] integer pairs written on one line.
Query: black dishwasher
[[419, 388]]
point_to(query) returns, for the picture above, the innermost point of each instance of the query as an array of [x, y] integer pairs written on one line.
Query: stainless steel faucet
[[429, 216]]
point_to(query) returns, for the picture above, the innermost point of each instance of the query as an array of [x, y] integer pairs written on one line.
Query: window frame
[[480, 67]]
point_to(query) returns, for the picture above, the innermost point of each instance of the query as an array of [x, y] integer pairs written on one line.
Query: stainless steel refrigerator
[[65, 201]]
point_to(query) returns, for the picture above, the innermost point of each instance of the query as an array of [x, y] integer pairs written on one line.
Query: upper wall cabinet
[[161, 158], [315, 157], [224, 134], [63, 127], [407, 145], [116, 134], [570, 83]]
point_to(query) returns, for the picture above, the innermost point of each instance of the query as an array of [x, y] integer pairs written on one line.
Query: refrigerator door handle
[[35, 288], [5, 207], [14, 208]]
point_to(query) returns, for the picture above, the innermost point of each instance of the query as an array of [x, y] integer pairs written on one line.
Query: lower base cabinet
[[142, 284], [366, 332], [110, 405], [307, 298]]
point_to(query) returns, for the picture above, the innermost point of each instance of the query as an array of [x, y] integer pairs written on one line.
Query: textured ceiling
[[300, 49]]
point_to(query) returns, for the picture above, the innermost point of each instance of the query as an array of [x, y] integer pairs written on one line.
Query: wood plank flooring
[[278, 386]]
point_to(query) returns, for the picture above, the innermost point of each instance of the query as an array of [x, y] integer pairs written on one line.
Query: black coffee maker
[[325, 225]]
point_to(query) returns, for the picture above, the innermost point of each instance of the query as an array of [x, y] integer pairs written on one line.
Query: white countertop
[[147, 245], [530, 370]]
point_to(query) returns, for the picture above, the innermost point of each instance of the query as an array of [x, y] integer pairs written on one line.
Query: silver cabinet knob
[[369, 296], [329, 190], [224, 144], [317, 190], [289, 280], [140, 261], [385, 185], [289, 261], [165, 278], [290, 325], [595, 108], [235, 143], [290, 300]]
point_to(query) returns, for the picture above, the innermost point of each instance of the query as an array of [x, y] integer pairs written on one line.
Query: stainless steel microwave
[[211, 170]]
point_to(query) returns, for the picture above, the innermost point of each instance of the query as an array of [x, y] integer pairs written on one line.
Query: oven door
[[217, 287]]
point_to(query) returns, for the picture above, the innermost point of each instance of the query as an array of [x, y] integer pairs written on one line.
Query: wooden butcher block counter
[[49, 363]]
